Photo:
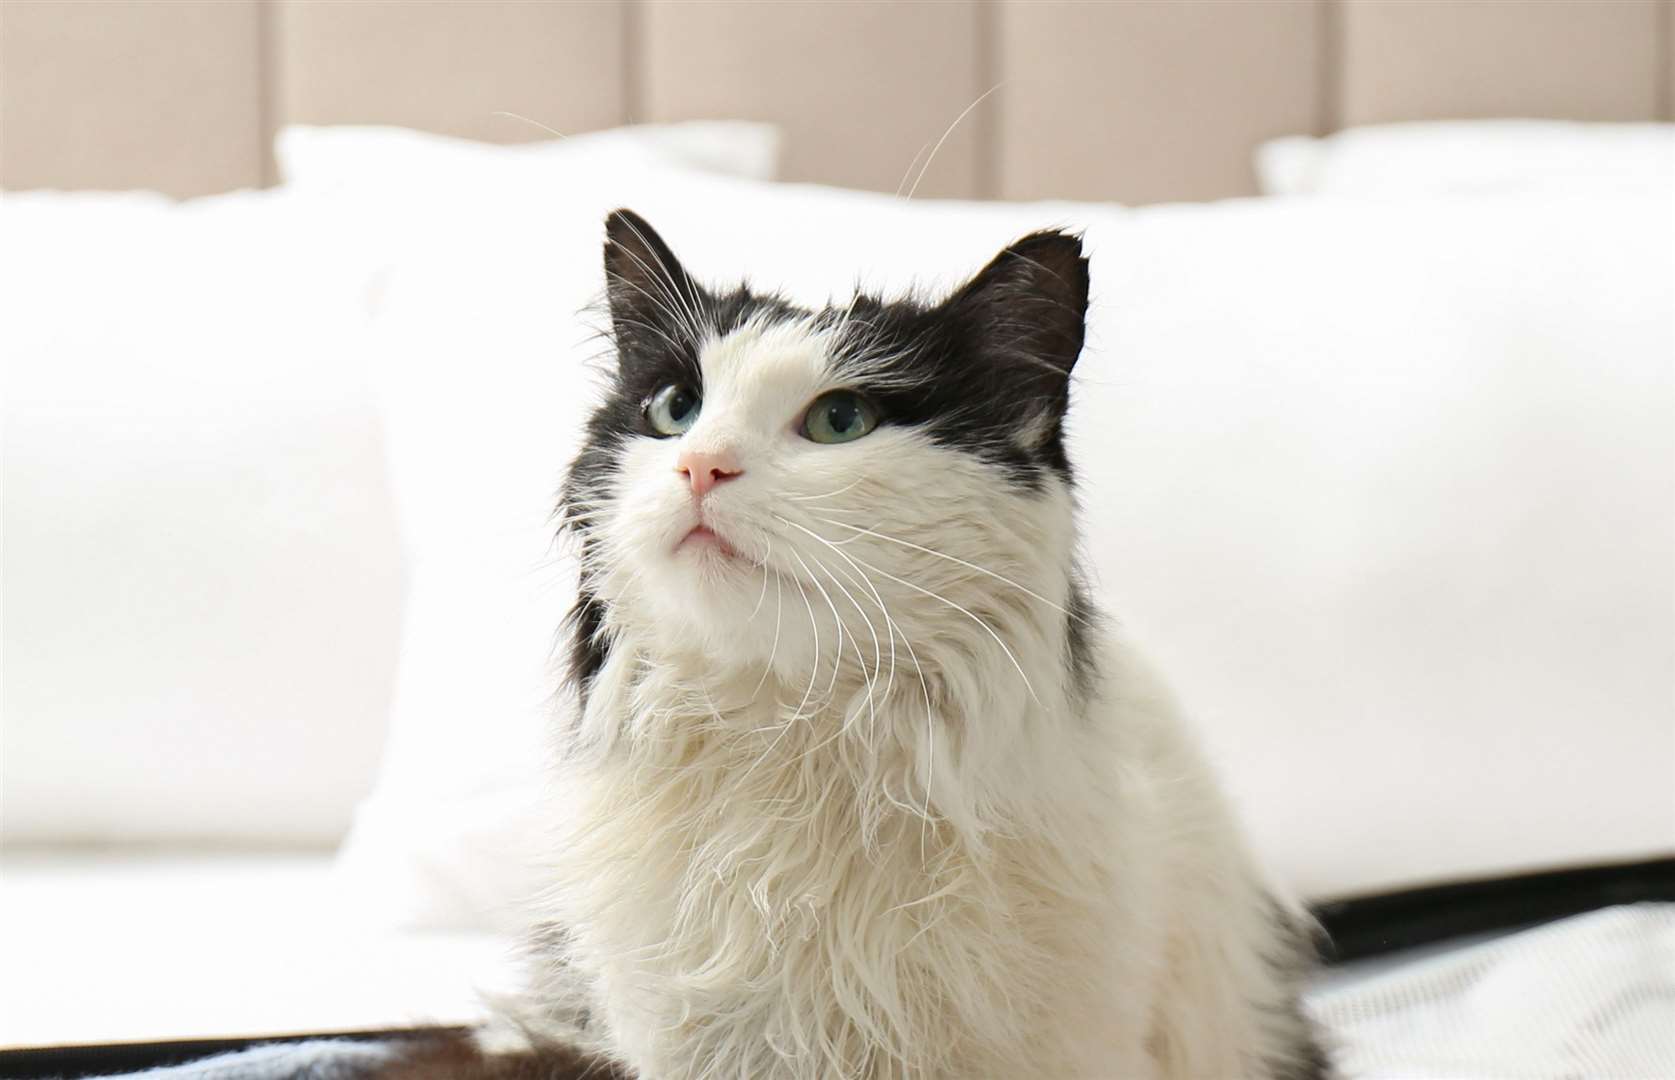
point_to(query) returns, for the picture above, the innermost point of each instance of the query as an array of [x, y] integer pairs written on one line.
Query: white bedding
[[98, 948], [1589, 996]]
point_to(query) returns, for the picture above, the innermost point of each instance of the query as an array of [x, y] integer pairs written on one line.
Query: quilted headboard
[[1137, 101]]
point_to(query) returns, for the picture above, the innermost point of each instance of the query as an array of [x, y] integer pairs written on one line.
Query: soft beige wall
[[163, 94], [1138, 100]]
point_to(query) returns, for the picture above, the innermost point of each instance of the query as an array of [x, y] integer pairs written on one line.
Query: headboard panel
[[1152, 101], [451, 67], [1130, 100], [133, 94], [1568, 59], [861, 89]]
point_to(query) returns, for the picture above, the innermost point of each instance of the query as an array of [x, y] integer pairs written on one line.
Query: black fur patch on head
[[986, 371]]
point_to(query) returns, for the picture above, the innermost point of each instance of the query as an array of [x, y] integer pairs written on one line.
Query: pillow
[[384, 184], [201, 582], [1387, 493], [204, 581], [378, 159], [1471, 156]]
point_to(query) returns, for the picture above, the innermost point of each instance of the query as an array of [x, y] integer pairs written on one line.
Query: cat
[[860, 784]]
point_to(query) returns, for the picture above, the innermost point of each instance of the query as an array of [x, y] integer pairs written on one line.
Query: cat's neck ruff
[[943, 700]]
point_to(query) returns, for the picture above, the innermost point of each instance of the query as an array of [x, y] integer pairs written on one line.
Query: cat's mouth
[[705, 538]]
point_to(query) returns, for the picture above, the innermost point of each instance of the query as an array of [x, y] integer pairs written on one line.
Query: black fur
[[986, 371], [1301, 946], [993, 361], [1080, 620]]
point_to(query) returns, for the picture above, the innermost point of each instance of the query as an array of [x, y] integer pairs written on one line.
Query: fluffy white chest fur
[[747, 902], [860, 786]]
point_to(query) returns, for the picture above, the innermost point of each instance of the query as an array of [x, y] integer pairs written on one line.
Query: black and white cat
[[860, 785]]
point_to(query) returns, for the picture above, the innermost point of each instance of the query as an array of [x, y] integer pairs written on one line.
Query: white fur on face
[[844, 550]]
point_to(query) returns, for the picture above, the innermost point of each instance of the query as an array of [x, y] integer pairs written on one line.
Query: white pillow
[[204, 584], [1471, 156], [1387, 492], [393, 160], [201, 582]]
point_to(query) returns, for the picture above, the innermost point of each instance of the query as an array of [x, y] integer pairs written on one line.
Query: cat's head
[[816, 490]]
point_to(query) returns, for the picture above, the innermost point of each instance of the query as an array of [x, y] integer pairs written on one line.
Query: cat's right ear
[[648, 290]]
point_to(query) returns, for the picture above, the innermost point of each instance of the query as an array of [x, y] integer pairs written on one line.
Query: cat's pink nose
[[705, 470]]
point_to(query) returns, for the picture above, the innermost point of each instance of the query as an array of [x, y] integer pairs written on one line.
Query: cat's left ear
[[649, 291], [1028, 308]]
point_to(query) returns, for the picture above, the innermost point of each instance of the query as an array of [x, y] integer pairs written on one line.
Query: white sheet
[[1590, 996], [101, 948]]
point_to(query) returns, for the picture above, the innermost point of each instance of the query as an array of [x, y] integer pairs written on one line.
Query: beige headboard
[[1133, 100]]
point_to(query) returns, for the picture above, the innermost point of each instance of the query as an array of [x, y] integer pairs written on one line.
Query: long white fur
[[837, 809]]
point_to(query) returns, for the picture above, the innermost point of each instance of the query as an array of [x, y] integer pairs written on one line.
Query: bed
[[291, 836], [1531, 975]]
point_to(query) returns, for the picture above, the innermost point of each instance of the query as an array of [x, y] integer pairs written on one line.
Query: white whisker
[[837, 656], [847, 487], [927, 166], [878, 653], [980, 622], [537, 123], [968, 565], [814, 668], [767, 670], [764, 565], [930, 746], [869, 585]]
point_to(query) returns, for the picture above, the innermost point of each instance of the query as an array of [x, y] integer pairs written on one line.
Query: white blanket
[[108, 950], [1590, 996]]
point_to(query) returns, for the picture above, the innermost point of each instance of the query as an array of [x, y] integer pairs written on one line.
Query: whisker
[[814, 669], [682, 298], [930, 746], [926, 168], [779, 586], [869, 585], [764, 565], [968, 565], [909, 170], [878, 652], [986, 627], [871, 679], [837, 656], [847, 487], [537, 123], [676, 320], [859, 577]]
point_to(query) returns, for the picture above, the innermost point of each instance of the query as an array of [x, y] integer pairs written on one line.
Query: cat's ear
[[648, 290], [1029, 306]]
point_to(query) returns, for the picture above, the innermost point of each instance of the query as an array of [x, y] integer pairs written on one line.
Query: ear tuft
[[1032, 300], [645, 284]]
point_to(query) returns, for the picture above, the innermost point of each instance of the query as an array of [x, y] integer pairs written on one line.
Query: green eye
[[840, 416], [673, 409]]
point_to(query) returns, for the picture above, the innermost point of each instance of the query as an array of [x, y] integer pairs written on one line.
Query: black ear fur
[[648, 289], [1030, 304]]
